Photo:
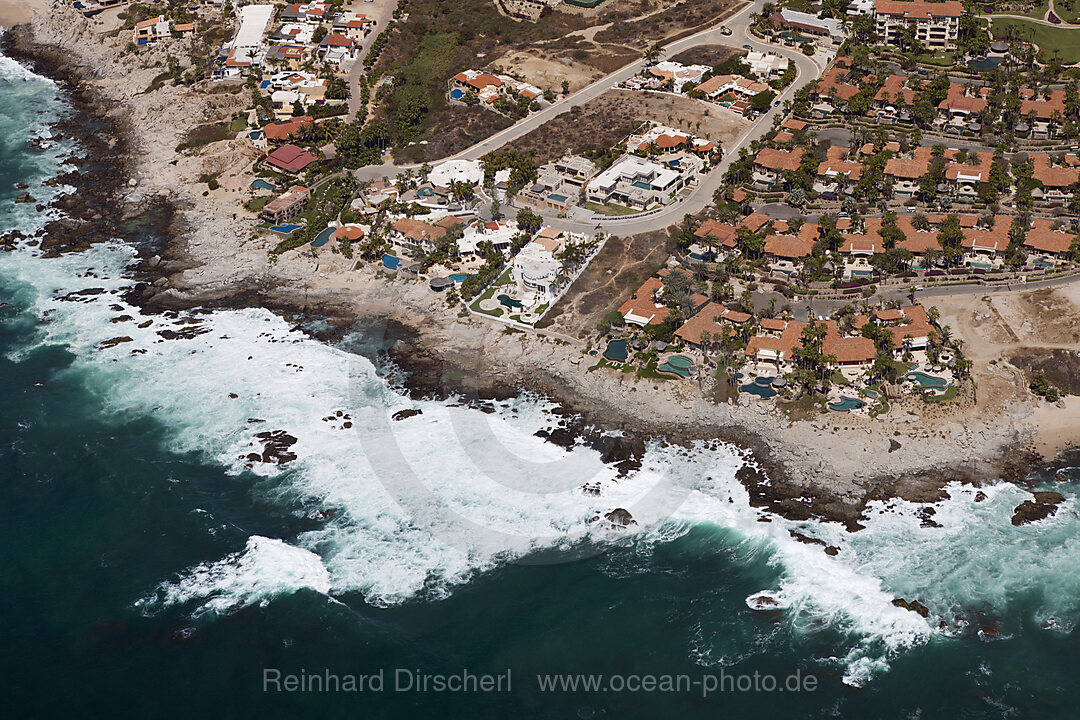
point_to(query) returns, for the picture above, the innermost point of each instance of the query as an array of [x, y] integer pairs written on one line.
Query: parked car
[[725, 31], [748, 47]]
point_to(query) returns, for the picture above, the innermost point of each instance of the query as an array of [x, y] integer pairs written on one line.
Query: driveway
[[381, 11]]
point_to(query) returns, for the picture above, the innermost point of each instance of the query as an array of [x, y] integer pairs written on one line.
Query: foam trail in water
[[266, 568]]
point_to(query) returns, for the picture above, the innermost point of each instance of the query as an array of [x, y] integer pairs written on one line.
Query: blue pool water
[[456, 94], [846, 403], [261, 184], [643, 185], [391, 262], [323, 237], [287, 229], [985, 63], [616, 350], [459, 278], [762, 391], [928, 381]]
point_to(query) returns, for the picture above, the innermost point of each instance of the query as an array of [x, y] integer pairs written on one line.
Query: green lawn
[[1038, 11], [1053, 42], [610, 209], [1069, 16], [940, 59]]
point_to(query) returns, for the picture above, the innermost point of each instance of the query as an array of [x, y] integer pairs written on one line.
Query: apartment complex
[[936, 25]]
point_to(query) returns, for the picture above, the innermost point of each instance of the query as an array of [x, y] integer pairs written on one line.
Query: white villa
[[536, 269], [637, 183]]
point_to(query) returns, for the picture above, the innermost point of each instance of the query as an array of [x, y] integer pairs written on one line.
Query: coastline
[[829, 467]]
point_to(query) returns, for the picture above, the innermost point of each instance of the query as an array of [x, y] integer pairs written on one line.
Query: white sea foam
[[421, 505], [267, 567]]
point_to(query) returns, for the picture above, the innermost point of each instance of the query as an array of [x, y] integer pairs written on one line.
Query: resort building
[[637, 183], [770, 165], [443, 175], [246, 49], [536, 269], [936, 25], [312, 12], [710, 323], [500, 233], [812, 24], [287, 206], [415, 237], [290, 159], [150, 31], [487, 88], [766, 66], [675, 75], [353, 25], [337, 48], [645, 306]]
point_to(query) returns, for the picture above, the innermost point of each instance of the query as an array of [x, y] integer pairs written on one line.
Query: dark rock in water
[[806, 538], [24, 197], [990, 629], [404, 414], [144, 325], [620, 518], [113, 342], [121, 318], [980, 496], [914, 606], [187, 333], [276, 444], [623, 452], [233, 396], [591, 488], [832, 550], [21, 186], [925, 514], [1044, 505]]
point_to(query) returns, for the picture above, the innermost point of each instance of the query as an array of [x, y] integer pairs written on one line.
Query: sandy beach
[[828, 464]]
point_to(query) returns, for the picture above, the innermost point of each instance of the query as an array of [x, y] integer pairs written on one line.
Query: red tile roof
[[290, 158]]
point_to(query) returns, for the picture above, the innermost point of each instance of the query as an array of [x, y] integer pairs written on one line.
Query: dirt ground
[[674, 21], [547, 68], [1011, 335], [609, 118], [619, 269], [711, 55]]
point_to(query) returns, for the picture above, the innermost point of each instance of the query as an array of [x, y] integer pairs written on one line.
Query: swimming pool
[[509, 302], [616, 350], [457, 94], [762, 391], [323, 237], [261, 184], [391, 262], [930, 382], [643, 185], [677, 365], [287, 229], [986, 63], [459, 278], [846, 403]]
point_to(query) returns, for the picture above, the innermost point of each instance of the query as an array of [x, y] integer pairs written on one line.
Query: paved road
[[808, 70], [381, 11]]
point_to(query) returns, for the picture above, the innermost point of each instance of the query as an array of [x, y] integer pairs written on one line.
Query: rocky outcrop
[[406, 414], [914, 606], [1043, 506]]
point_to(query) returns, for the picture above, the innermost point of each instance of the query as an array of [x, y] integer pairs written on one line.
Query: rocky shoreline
[[795, 470]]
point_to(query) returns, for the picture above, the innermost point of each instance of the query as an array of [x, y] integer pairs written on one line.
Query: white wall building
[[536, 268], [637, 183], [466, 171]]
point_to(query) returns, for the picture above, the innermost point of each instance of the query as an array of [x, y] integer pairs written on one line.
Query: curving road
[[808, 70]]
